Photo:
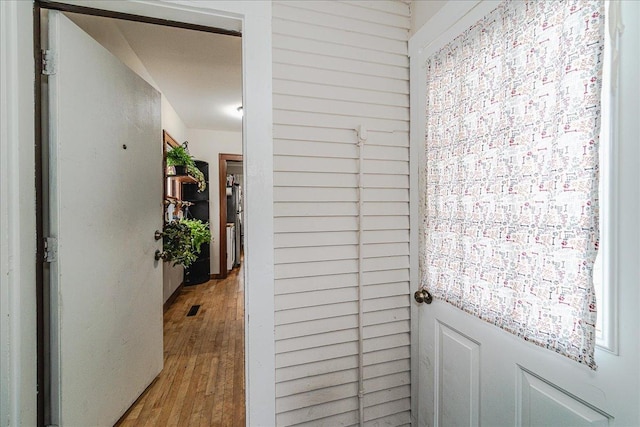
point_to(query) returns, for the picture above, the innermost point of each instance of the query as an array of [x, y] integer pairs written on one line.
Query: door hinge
[[48, 63], [50, 249]]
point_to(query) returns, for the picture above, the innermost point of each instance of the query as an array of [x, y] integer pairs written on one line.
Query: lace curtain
[[510, 201]]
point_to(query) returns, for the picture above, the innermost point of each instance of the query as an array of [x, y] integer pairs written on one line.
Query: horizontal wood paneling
[[387, 368], [316, 368], [291, 12], [337, 66], [319, 411], [317, 382], [349, 418], [316, 298], [387, 395], [346, 79], [384, 316], [322, 49], [382, 383], [316, 341], [293, 163], [338, 107], [320, 91], [343, 136], [386, 290], [388, 414], [354, 10], [340, 36], [395, 353], [314, 253], [310, 355], [386, 329], [337, 120], [400, 8], [313, 327], [299, 315], [307, 284]]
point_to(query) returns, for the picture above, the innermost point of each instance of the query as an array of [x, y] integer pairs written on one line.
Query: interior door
[[106, 202], [471, 373]]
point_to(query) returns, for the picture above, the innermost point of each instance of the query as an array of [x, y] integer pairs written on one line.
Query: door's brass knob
[[160, 255], [423, 295]]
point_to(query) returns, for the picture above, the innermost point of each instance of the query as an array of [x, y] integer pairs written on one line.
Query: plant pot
[[176, 170]]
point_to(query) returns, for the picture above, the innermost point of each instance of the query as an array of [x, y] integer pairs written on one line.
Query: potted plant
[[200, 232], [178, 158], [182, 240], [181, 161], [177, 244]]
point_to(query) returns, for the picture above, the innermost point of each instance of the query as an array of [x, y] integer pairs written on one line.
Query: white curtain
[[510, 200]]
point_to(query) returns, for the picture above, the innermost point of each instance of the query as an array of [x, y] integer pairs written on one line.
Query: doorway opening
[[197, 144], [231, 177]]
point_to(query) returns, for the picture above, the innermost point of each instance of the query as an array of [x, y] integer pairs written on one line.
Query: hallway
[[202, 382]]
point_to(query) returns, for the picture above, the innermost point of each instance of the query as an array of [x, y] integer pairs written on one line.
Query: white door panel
[[540, 403], [106, 203], [474, 374], [471, 373]]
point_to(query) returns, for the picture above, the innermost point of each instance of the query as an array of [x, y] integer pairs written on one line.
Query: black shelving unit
[[200, 270]]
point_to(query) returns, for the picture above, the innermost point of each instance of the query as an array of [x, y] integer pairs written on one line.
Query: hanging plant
[[179, 156], [177, 244], [198, 175], [200, 232]]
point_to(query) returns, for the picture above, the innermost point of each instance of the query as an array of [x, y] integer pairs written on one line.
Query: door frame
[[222, 180], [254, 19]]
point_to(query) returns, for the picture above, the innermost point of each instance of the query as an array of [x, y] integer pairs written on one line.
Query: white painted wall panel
[[291, 11], [304, 118], [329, 352], [296, 240], [306, 284], [318, 368], [315, 327], [300, 315], [359, 11], [338, 65], [206, 145]]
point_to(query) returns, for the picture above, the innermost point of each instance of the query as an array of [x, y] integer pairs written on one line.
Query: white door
[[471, 373], [106, 202]]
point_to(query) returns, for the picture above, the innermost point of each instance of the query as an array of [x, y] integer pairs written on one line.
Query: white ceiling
[[199, 73]]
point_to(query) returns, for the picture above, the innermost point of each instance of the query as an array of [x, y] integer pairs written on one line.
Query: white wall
[[172, 277], [422, 11], [206, 145], [339, 65], [171, 121]]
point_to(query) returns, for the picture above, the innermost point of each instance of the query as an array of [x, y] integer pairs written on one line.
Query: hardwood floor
[[202, 383]]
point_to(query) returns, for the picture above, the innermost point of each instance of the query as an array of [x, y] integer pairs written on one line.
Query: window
[[604, 278], [511, 197]]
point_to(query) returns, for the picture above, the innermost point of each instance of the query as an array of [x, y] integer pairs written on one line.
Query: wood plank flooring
[[202, 383]]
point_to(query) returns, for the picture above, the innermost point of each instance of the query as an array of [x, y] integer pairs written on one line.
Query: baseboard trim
[[172, 298]]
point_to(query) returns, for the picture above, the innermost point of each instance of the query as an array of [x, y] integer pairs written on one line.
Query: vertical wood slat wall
[[338, 65]]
